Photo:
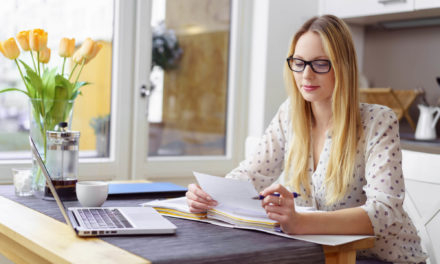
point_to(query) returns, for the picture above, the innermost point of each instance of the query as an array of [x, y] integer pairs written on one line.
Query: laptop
[[107, 221]]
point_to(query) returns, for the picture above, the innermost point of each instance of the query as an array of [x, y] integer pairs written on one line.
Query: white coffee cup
[[91, 193]]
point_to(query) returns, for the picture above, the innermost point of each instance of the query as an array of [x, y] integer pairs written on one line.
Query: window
[[196, 111], [60, 19]]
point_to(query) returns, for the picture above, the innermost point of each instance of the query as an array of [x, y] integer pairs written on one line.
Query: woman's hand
[[198, 200], [280, 208]]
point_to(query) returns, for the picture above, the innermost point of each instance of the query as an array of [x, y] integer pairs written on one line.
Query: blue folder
[[145, 188]]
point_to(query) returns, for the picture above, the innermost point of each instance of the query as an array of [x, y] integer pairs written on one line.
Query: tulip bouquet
[[51, 92]]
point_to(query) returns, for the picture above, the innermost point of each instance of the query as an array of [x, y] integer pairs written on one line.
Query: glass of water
[[22, 182]]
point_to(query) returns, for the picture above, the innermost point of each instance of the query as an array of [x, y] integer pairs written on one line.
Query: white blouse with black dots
[[377, 186]]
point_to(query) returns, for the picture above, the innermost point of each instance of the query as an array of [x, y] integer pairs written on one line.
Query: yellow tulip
[[23, 40], [37, 39], [1, 49], [88, 50], [44, 55], [77, 58], [67, 47], [10, 49], [96, 48]]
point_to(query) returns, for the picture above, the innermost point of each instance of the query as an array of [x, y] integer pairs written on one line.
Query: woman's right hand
[[198, 200]]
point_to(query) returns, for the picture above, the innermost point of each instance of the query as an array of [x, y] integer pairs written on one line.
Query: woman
[[343, 157]]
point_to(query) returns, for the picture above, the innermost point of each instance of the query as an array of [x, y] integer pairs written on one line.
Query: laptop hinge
[[73, 219]]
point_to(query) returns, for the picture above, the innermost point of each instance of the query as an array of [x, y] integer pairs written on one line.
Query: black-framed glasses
[[318, 66]]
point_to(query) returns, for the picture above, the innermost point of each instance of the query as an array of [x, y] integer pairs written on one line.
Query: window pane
[[187, 113], [78, 19]]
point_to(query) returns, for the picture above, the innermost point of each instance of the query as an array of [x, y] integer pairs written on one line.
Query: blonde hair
[[346, 124]]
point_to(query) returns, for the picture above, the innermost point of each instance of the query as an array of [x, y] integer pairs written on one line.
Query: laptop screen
[[49, 182]]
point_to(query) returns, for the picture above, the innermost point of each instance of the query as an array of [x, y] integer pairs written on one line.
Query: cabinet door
[[426, 4], [350, 8]]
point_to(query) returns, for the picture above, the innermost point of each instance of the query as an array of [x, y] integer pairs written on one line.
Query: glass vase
[[45, 115]]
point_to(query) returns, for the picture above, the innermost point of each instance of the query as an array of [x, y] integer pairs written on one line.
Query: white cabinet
[[422, 201], [426, 4], [361, 8]]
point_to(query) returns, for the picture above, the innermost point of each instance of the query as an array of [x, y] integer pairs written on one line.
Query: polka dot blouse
[[377, 186]]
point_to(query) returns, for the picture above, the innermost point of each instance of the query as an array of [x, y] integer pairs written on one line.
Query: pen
[[261, 197]]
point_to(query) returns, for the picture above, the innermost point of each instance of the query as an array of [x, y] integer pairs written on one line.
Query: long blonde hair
[[346, 124]]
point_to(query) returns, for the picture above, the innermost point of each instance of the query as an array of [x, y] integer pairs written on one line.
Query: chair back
[[422, 200]]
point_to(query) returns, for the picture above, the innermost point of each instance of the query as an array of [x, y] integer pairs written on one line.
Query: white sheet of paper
[[235, 195], [230, 193], [178, 204], [330, 240]]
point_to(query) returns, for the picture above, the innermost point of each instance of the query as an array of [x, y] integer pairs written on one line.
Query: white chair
[[422, 201]]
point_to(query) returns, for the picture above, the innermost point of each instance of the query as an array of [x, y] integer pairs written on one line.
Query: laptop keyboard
[[103, 218]]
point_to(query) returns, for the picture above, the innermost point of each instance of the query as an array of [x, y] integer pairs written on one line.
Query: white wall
[[274, 23], [357, 33]]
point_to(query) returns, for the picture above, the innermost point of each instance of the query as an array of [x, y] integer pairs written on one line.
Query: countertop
[[408, 142]]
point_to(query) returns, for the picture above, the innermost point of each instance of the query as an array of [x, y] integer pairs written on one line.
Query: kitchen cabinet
[[426, 4], [364, 12], [351, 9]]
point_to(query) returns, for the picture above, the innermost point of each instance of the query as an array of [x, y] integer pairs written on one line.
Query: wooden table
[[346, 253], [24, 238]]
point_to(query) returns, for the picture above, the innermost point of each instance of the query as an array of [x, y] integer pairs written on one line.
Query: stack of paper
[[176, 207], [241, 220]]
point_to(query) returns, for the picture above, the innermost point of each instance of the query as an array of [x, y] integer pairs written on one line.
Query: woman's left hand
[[280, 208]]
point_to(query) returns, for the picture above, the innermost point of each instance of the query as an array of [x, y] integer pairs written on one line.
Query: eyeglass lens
[[318, 66]]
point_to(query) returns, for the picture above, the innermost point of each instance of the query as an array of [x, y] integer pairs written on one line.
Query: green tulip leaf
[[49, 83], [80, 84], [25, 65], [60, 81], [54, 108], [13, 89], [31, 89], [33, 79], [75, 94], [75, 91]]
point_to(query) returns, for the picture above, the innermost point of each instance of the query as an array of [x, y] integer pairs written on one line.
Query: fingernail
[[208, 198]]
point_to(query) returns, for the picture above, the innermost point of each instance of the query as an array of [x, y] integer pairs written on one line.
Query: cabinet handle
[[385, 2]]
